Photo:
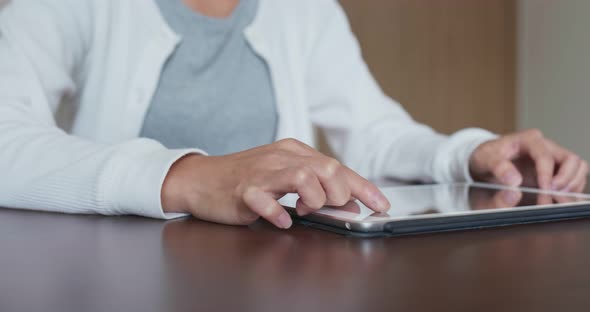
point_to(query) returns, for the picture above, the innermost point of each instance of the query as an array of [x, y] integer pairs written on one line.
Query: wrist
[[174, 192], [473, 171], [476, 164]]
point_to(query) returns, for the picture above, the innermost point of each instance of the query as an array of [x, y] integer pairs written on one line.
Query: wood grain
[[55, 262]]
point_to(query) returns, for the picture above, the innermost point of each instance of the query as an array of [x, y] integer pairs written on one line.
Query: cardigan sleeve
[[370, 132], [42, 47]]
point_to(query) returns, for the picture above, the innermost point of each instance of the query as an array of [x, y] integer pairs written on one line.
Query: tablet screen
[[424, 201]]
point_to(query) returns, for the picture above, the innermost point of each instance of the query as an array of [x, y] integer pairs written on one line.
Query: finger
[[541, 155], [567, 172], [562, 155], [351, 206], [489, 154], [559, 153], [342, 184], [560, 199], [582, 187], [266, 206], [300, 180], [496, 159], [332, 179], [506, 199], [366, 192], [544, 199], [578, 183], [303, 209], [507, 173], [545, 167]]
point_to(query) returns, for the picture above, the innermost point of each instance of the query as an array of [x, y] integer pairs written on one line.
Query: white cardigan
[[105, 58]]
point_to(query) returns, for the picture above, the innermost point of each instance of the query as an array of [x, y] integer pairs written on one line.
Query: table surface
[[55, 262]]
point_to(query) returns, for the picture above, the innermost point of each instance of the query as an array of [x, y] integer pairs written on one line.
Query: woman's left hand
[[527, 158]]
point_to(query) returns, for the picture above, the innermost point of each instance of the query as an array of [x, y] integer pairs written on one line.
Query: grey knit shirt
[[215, 93]]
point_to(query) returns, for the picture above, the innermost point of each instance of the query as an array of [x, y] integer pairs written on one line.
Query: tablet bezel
[[516, 214]]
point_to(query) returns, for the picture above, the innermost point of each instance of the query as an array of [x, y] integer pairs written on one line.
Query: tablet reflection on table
[[482, 198], [457, 198]]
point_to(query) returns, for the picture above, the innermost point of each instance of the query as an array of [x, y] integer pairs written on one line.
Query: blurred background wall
[[499, 64], [451, 63], [554, 70]]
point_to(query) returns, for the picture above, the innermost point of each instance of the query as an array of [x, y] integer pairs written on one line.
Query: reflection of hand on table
[[481, 199]]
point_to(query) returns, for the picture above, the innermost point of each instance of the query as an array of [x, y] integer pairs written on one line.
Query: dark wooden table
[[54, 262]]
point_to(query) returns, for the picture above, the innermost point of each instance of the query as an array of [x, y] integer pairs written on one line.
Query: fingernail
[[566, 189], [511, 179], [381, 202], [554, 186], [285, 220]]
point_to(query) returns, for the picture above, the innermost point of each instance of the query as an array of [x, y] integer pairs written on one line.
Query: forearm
[[401, 149], [46, 169]]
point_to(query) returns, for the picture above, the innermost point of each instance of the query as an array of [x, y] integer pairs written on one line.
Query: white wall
[[554, 70]]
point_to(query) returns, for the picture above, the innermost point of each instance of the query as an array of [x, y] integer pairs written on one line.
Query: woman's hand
[[239, 188], [528, 158]]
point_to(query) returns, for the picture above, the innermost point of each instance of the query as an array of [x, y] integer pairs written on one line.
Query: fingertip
[[544, 183], [267, 207], [557, 185], [386, 206], [367, 193], [284, 220], [312, 204], [302, 208], [512, 178], [380, 202], [545, 174]]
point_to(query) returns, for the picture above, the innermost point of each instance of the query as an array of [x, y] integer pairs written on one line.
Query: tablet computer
[[445, 207]]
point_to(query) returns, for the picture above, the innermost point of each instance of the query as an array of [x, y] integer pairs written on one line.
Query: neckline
[[219, 23], [228, 17]]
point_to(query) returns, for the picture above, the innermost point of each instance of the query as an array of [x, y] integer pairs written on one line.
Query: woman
[[152, 81]]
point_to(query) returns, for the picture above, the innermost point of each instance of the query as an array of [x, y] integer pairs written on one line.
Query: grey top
[[215, 92]]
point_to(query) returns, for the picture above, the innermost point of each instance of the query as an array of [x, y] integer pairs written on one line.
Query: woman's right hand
[[239, 188]]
